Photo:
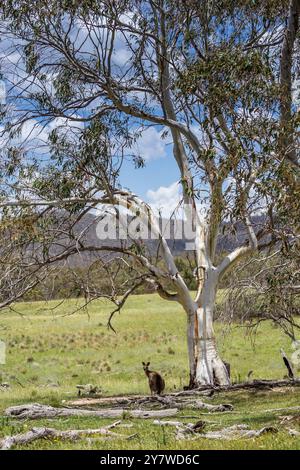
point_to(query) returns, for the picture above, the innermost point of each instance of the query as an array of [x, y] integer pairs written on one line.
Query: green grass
[[50, 351]]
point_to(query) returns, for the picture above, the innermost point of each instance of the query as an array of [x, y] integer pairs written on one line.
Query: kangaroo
[[156, 382]]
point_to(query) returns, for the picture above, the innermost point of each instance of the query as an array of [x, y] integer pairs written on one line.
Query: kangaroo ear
[[148, 363], [143, 363]]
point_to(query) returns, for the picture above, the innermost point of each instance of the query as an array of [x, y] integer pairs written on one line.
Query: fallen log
[[255, 385], [275, 410], [105, 401], [260, 384], [238, 431], [294, 433], [51, 433], [205, 390], [158, 422], [183, 403], [129, 400], [195, 431], [290, 419], [183, 430], [167, 401], [38, 411], [199, 405]]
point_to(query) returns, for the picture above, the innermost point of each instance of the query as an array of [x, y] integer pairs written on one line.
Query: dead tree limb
[[287, 364], [238, 431], [260, 384], [38, 411], [195, 431], [131, 400], [255, 384], [167, 401], [105, 401], [159, 422], [183, 430], [50, 433], [199, 405], [294, 433], [183, 403], [291, 408]]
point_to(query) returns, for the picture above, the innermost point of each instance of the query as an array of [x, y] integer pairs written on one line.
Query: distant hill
[[229, 238]]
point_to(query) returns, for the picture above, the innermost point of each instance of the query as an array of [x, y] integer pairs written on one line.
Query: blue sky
[[157, 172], [155, 183]]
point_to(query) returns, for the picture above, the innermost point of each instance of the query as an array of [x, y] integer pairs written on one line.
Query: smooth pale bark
[[206, 366]]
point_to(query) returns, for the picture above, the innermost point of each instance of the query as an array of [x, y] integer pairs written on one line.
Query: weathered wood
[[38, 411], [289, 408], [238, 431], [183, 403], [50, 433], [110, 401], [208, 390], [169, 401], [200, 405], [290, 419], [255, 384], [159, 422], [195, 431], [294, 433], [183, 399], [287, 364], [183, 430]]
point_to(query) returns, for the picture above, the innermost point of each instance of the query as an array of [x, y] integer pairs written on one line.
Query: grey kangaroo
[[156, 382]]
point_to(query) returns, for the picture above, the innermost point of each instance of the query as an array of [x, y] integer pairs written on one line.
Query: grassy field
[[50, 351]]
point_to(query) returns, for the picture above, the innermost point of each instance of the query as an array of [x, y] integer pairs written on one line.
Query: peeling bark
[[206, 366]]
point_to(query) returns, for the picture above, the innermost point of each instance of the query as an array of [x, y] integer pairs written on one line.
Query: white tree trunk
[[206, 366]]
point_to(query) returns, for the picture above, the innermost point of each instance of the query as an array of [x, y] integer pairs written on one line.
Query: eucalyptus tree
[[210, 75]]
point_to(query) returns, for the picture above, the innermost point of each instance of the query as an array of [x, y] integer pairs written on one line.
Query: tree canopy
[[218, 78]]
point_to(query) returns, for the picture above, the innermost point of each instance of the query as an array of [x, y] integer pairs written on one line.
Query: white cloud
[[66, 124], [33, 135], [86, 38], [32, 130], [165, 199], [150, 145], [121, 56]]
